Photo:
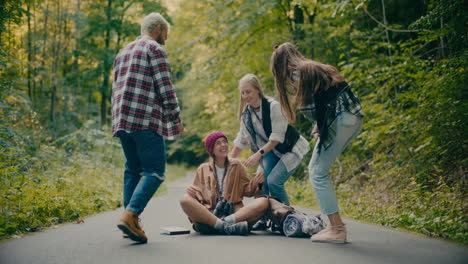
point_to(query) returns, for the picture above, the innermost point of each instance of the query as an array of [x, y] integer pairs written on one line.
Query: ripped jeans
[[145, 166]]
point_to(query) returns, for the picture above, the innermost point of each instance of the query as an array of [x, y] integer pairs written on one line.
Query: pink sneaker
[[331, 234]]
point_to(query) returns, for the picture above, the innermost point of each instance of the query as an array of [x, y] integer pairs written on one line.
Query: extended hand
[[315, 135], [315, 132], [258, 178], [180, 127], [253, 160]]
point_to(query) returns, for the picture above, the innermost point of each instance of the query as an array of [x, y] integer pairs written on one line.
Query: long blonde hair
[[255, 82], [312, 77]]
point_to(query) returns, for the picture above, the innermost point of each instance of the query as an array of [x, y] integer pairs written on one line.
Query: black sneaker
[[204, 229], [241, 228], [259, 226]]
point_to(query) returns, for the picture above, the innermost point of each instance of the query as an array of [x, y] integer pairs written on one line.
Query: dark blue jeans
[[145, 167]]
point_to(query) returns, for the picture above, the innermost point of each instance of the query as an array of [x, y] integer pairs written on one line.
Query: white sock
[[219, 225], [230, 219]]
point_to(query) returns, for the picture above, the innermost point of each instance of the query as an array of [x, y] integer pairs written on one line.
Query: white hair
[[151, 21]]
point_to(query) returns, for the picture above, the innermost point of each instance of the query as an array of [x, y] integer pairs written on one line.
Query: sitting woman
[[214, 201]]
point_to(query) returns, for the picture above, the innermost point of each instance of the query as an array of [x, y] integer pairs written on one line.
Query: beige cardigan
[[237, 185]]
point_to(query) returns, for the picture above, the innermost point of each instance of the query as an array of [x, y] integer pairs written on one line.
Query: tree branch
[[374, 36], [386, 27], [285, 10], [420, 48], [431, 50]]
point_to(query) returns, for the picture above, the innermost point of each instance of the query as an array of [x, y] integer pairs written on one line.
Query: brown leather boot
[[137, 224], [137, 221], [127, 225], [332, 234]]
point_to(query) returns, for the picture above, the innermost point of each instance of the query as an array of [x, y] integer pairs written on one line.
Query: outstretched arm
[[255, 158], [254, 186], [235, 152]]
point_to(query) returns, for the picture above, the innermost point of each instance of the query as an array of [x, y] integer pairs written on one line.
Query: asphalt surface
[[98, 240]]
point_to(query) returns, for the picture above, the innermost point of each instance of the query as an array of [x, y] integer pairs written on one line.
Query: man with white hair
[[145, 112]]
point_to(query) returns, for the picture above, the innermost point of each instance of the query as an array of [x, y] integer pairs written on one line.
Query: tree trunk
[[30, 92], [387, 33], [56, 67], [76, 54], [286, 8], [66, 34], [34, 69], [442, 46], [106, 67], [44, 50], [299, 33]]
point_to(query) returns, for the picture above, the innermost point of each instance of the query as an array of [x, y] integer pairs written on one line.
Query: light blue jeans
[[275, 175], [348, 126]]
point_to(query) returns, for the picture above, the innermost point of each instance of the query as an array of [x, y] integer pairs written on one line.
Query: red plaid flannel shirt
[[142, 93]]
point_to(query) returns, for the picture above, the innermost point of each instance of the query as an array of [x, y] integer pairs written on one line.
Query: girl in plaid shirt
[[324, 97]]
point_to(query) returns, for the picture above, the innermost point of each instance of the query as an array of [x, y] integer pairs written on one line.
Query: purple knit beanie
[[211, 139]]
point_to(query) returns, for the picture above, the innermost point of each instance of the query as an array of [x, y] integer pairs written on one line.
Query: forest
[[404, 59]]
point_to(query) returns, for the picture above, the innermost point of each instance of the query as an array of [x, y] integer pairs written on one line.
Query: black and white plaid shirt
[[345, 102]]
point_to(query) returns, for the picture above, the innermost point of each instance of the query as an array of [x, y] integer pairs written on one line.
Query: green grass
[[64, 193], [439, 213], [77, 176]]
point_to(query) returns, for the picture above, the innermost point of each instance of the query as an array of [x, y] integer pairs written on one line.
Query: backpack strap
[[247, 119], [290, 138]]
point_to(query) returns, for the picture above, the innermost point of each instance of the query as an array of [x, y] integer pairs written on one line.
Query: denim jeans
[[348, 126], [275, 175], [145, 166]]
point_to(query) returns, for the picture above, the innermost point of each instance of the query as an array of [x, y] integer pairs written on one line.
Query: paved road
[[99, 241]]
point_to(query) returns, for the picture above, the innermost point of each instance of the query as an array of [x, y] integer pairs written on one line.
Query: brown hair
[[313, 77]]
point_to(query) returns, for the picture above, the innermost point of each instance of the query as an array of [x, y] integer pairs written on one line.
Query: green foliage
[[77, 175], [407, 168], [56, 163], [10, 11], [440, 213], [58, 182], [210, 52], [186, 151], [406, 61]]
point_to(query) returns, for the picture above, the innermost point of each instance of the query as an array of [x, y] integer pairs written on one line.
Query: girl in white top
[[265, 134]]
